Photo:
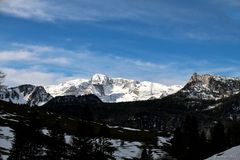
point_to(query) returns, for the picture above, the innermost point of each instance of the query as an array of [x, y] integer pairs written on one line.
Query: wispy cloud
[[80, 10], [29, 9], [83, 63], [198, 20], [34, 54], [47, 66], [31, 76], [14, 55]]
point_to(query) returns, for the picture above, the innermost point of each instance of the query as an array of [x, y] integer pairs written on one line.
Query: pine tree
[[104, 144], [19, 143], [56, 147], [82, 147], [191, 138], [27, 143], [186, 140], [82, 142], [218, 138], [177, 142], [146, 153], [204, 146]]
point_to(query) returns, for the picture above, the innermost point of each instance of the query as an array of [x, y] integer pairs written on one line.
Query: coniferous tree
[[35, 137], [146, 153], [104, 144], [218, 138], [191, 137], [56, 146], [177, 143], [204, 146], [186, 142], [232, 134], [27, 143], [82, 142], [19, 143]]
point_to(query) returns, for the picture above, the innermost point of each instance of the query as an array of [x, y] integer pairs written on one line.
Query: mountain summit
[[112, 89], [210, 87]]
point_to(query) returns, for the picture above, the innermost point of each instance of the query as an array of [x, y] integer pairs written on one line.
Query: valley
[[128, 128]]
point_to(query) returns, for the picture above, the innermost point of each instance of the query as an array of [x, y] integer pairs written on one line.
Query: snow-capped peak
[[99, 79], [112, 89], [25, 94]]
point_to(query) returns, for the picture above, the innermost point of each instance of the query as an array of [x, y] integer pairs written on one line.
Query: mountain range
[[111, 90], [141, 105], [106, 88]]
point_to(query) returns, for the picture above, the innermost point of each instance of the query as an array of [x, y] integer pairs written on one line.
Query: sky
[[46, 42]]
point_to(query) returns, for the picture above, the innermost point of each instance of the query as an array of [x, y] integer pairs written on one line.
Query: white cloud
[[50, 65], [159, 19], [143, 64], [82, 10], [46, 66], [26, 9], [37, 54], [92, 10], [30, 76], [34, 48], [57, 61], [19, 55]]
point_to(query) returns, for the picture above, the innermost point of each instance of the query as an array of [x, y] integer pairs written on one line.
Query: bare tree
[[2, 76]]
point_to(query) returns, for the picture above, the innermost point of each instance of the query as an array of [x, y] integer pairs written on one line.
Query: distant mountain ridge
[[113, 89], [210, 87], [25, 94], [75, 100], [201, 87]]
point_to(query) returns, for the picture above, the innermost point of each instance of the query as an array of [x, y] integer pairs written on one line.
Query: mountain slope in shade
[[112, 89], [75, 100], [210, 87], [25, 94]]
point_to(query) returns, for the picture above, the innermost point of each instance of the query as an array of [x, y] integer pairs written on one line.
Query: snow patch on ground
[[125, 128], [68, 138], [125, 149], [45, 132], [132, 150], [231, 154], [6, 138], [131, 129]]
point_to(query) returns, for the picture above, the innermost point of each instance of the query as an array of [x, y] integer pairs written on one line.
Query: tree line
[[31, 143], [189, 142]]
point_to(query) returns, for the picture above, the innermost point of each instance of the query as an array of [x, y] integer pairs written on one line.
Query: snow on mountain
[[25, 94], [112, 89], [210, 87], [231, 154]]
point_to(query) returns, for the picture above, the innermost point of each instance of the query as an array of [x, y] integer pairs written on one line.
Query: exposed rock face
[[210, 87], [25, 94]]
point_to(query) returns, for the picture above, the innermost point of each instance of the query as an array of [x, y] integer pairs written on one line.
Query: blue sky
[[48, 41]]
